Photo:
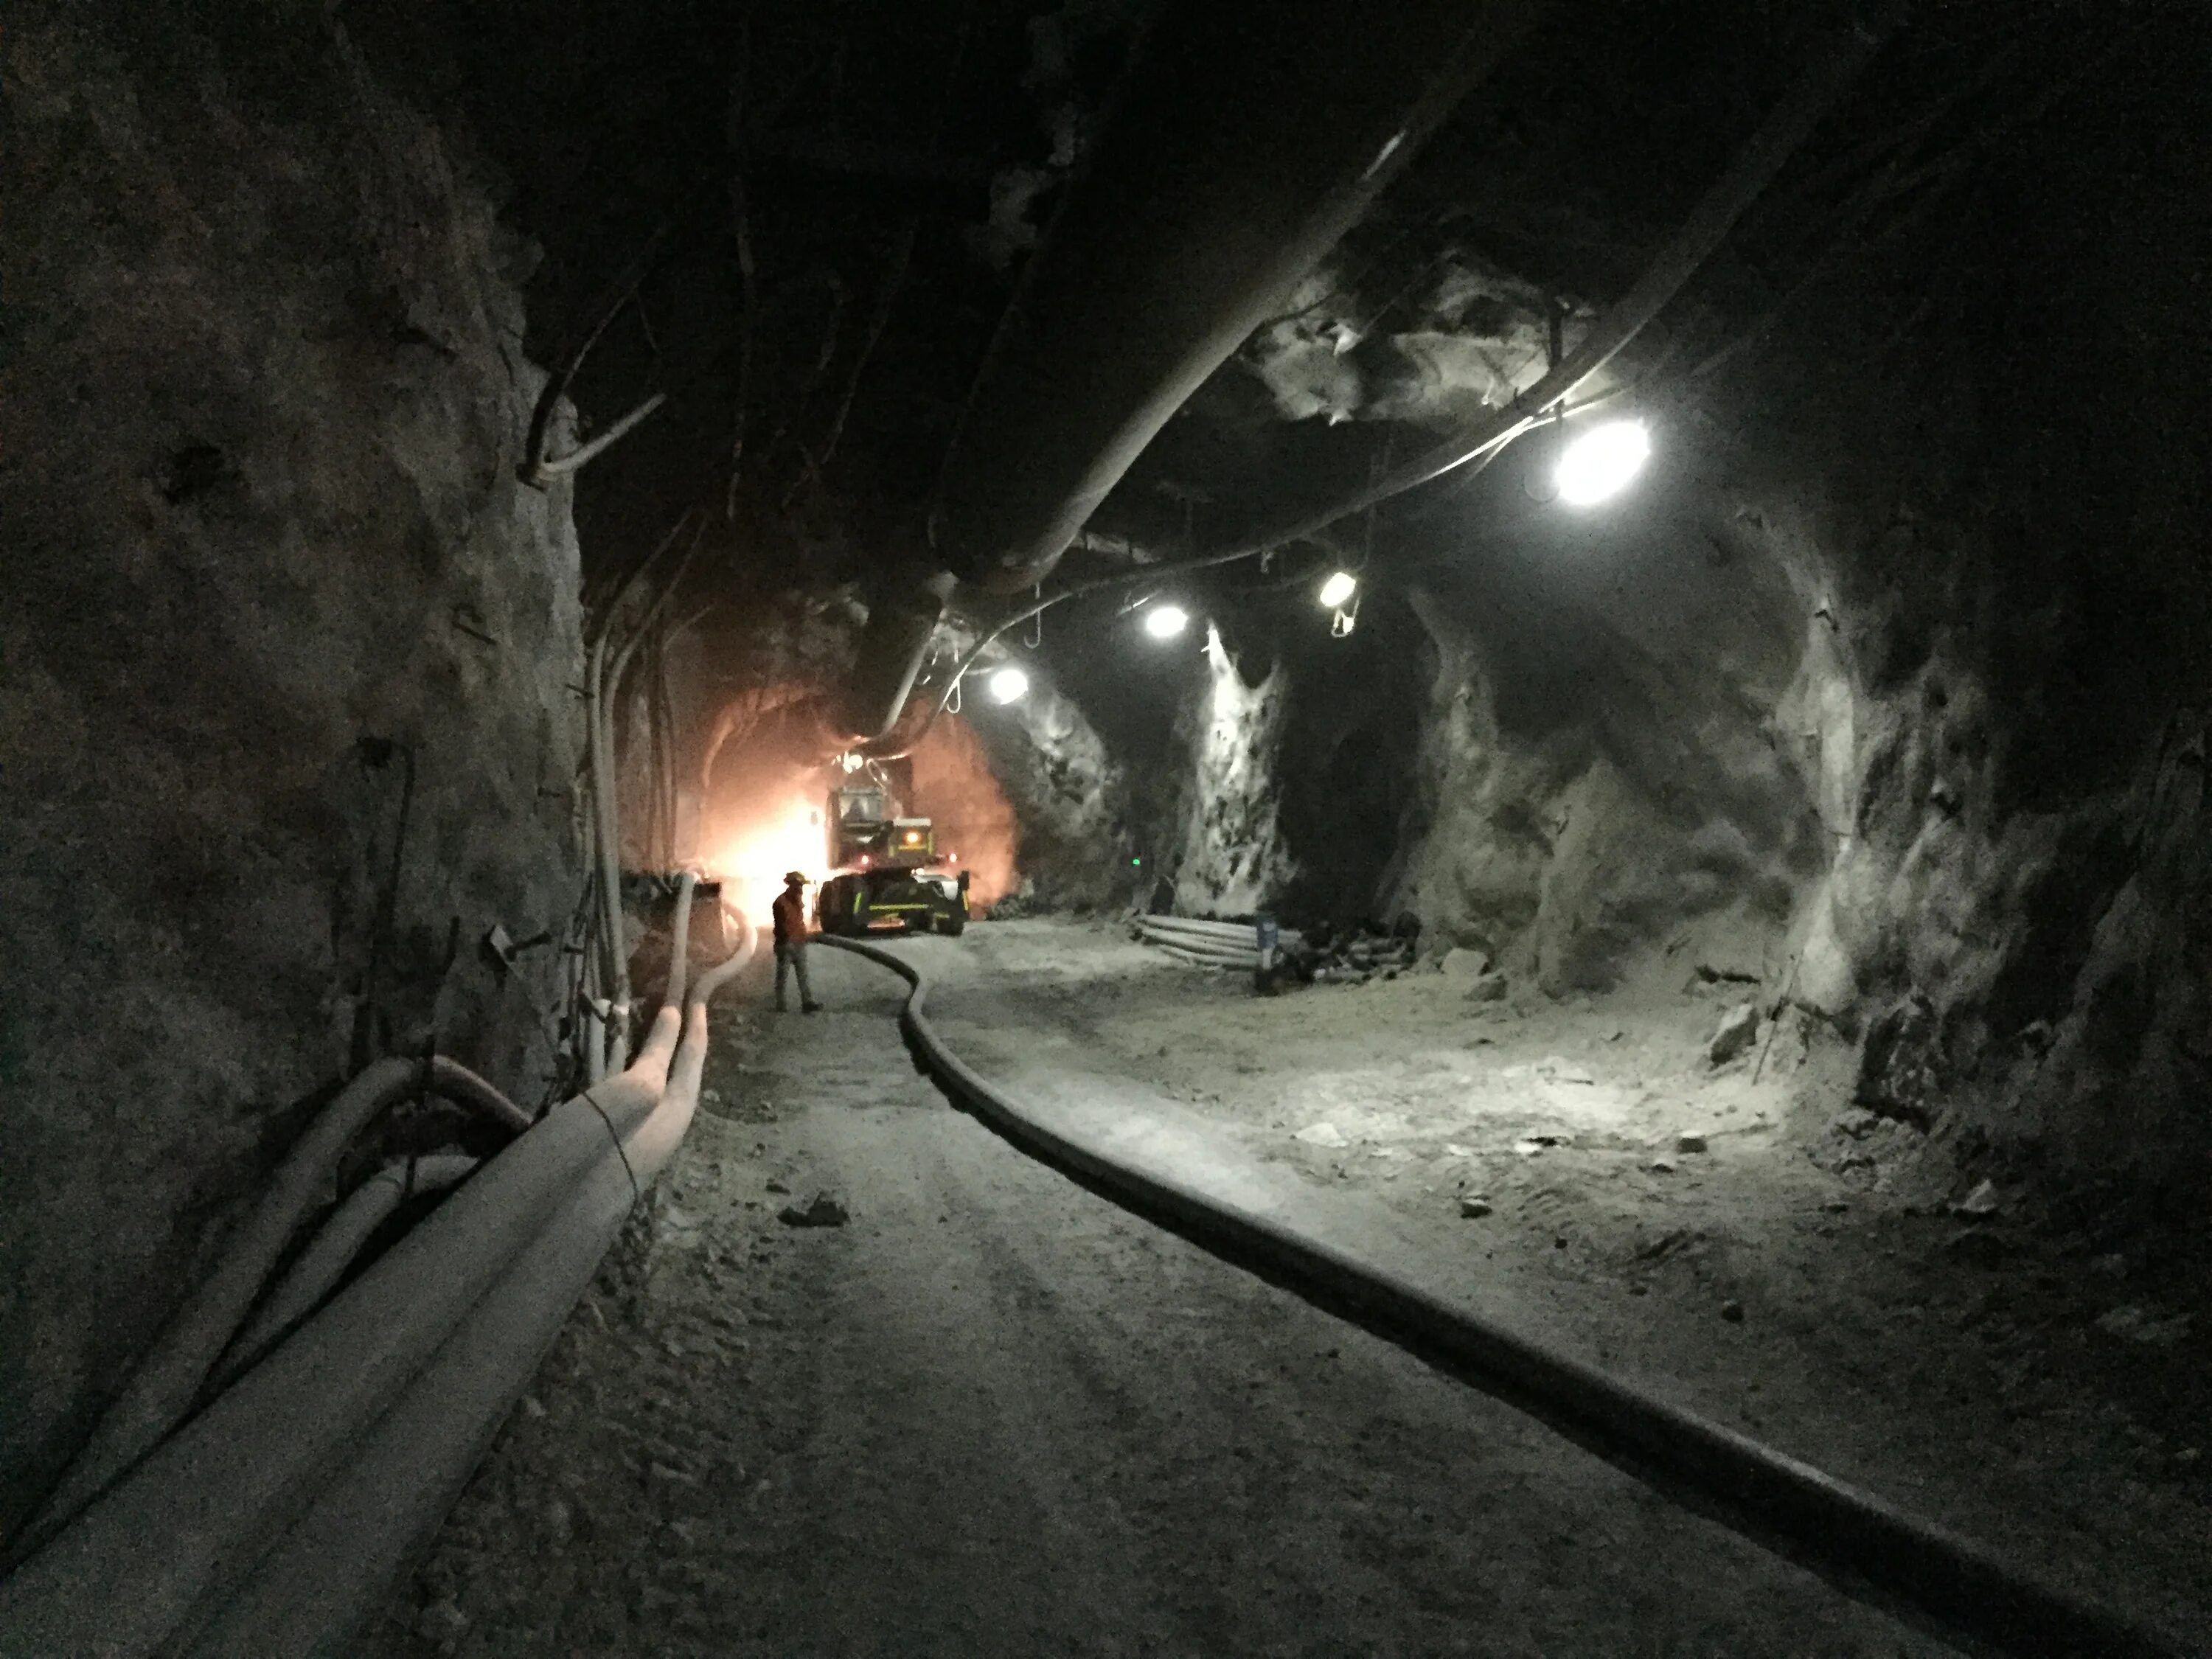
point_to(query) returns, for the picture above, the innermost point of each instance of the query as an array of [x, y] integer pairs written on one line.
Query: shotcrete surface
[[993, 1415]]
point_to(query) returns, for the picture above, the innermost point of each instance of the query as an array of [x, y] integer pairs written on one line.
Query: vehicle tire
[[952, 926], [843, 909]]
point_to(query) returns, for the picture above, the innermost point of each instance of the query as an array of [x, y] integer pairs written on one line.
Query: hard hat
[[794, 878]]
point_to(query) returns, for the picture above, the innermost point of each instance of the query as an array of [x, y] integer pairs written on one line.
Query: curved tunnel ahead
[[469, 468]]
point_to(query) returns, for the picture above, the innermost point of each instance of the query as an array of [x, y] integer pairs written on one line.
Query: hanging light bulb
[[1601, 462], [1164, 622], [1337, 589], [1007, 684]]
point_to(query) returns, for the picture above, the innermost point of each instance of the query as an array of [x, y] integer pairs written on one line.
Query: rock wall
[[271, 592], [2009, 500], [1068, 795], [1844, 747], [1231, 859], [1605, 796], [1886, 685]]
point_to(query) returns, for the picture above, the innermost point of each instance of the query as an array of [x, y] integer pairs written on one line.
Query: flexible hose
[[270, 1520], [451, 1081], [324, 1576], [595, 1042], [194, 1513], [1868, 1547], [614, 945], [679, 961], [175, 1368], [332, 1251], [748, 943]]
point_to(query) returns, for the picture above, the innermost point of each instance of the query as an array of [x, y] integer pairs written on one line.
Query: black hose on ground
[[1957, 1588]]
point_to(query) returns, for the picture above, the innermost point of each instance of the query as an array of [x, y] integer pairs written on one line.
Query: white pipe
[[559, 466], [1198, 925], [1197, 948], [1192, 959], [1210, 945], [594, 1042], [170, 1377], [614, 947], [679, 938], [748, 942], [1239, 933], [368, 1417], [333, 1248], [221, 1491], [334, 1560]]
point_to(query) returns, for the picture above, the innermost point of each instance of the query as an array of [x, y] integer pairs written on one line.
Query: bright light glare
[[1337, 589], [1164, 622], [1007, 686], [752, 859], [1601, 462]]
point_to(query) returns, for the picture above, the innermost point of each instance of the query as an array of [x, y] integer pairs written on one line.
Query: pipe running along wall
[[1245, 140], [336, 1245], [168, 1380], [286, 1506], [1867, 1545]]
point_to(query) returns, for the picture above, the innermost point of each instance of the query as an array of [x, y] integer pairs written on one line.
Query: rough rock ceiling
[[849, 191]]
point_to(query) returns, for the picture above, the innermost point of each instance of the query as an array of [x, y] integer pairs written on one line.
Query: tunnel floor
[[993, 1415]]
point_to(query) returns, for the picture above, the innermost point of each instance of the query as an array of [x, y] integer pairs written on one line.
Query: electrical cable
[[637, 1191]]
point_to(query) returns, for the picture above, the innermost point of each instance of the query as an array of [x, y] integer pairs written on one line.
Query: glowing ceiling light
[[1601, 462], [1007, 686], [1337, 589], [1164, 622]]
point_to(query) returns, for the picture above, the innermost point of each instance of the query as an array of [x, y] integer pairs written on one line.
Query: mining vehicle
[[888, 879]]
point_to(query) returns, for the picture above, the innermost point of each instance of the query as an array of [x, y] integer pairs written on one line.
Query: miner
[[790, 913]]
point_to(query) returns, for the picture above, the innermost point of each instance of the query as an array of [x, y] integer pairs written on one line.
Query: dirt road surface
[[991, 1414]]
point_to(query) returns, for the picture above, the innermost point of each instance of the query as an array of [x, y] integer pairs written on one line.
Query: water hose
[[337, 1558], [362, 1532], [175, 1370], [273, 1518], [332, 1251], [1867, 1546]]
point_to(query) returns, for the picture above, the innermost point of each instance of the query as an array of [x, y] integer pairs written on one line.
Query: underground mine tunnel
[[1491, 717]]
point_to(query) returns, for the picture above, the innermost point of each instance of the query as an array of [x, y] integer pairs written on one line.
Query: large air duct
[[1246, 140], [903, 618]]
